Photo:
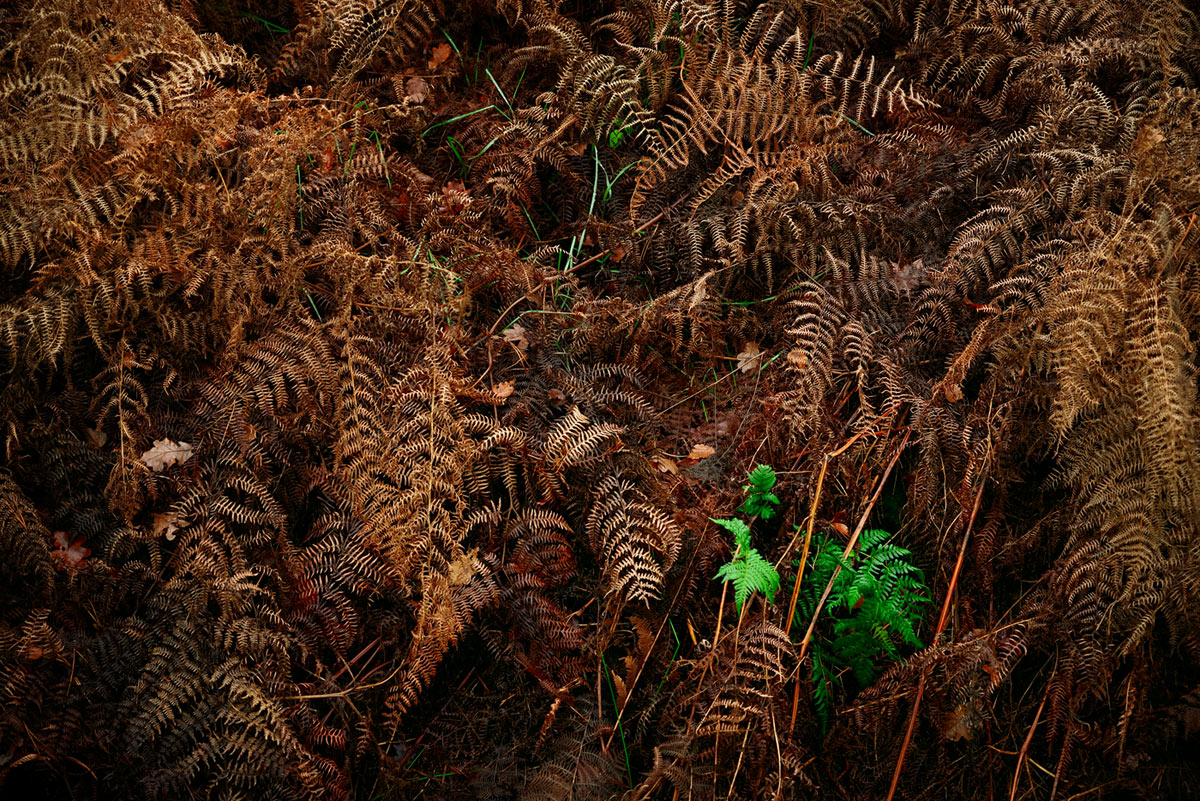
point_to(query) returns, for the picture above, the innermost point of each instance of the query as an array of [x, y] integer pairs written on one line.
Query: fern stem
[[912, 720], [862, 522]]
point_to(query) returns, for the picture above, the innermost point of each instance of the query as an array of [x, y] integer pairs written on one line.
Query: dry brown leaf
[[455, 197], [964, 721], [797, 358], [95, 437], [701, 451], [165, 453], [909, 276], [953, 393], [70, 550], [699, 291], [503, 389], [417, 90], [516, 334], [462, 569], [165, 525], [619, 685], [665, 465], [438, 56], [750, 357]]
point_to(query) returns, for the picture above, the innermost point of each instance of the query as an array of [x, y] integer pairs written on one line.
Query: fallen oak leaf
[[503, 389], [165, 525], [455, 197], [750, 357], [95, 438], [71, 551], [417, 90], [327, 159], [516, 335], [165, 453], [701, 451], [665, 465], [438, 55]]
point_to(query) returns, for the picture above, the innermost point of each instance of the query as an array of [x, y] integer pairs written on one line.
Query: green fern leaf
[[760, 501], [739, 530], [748, 570], [874, 605]]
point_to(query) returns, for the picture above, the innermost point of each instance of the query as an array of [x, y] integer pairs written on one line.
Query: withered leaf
[[516, 334], [750, 357], [165, 525], [165, 453], [95, 437], [438, 55], [71, 551], [665, 464], [417, 90], [701, 451]]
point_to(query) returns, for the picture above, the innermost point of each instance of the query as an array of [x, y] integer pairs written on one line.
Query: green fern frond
[[760, 500], [873, 606], [748, 570]]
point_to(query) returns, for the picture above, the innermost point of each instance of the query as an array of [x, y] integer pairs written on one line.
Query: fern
[[748, 571], [760, 501], [873, 608]]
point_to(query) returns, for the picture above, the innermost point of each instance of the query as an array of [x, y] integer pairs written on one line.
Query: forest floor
[[642, 399]]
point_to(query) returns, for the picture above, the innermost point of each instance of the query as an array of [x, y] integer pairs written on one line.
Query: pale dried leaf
[[417, 89], [462, 569], [750, 357], [165, 453], [699, 290], [963, 722], [165, 525], [665, 465], [909, 276], [71, 551], [516, 334], [503, 389], [701, 451], [95, 437]]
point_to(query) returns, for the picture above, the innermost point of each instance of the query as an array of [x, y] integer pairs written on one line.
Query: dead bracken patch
[[374, 373]]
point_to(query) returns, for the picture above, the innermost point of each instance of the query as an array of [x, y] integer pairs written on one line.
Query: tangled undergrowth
[[373, 370]]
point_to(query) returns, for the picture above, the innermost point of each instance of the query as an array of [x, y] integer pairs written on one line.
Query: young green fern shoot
[[748, 570], [760, 500]]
